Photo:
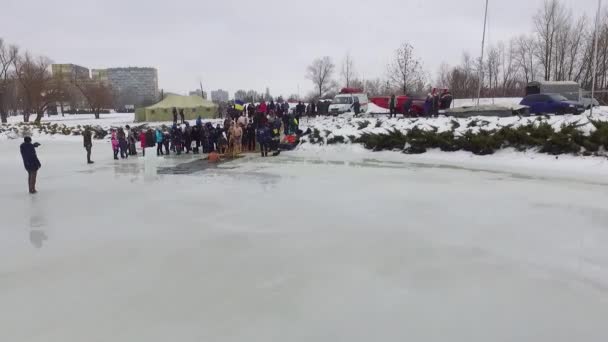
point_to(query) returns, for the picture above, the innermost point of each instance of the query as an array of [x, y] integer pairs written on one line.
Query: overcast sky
[[243, 44]]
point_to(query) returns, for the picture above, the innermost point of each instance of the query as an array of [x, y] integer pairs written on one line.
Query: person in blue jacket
[[264, 137], [159, 142], [30, 162]]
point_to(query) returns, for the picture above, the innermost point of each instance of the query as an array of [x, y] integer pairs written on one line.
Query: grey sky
[[239, 44]]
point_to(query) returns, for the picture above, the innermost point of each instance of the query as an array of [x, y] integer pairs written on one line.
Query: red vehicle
[[417, 102], [384, 102]]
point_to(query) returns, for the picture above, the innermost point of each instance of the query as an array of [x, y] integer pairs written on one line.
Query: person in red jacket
[[142, 141], [263, 108]]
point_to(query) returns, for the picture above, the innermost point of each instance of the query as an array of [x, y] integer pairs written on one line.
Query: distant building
[[219, 96], [198, 92], [133, 86], [70, 71]]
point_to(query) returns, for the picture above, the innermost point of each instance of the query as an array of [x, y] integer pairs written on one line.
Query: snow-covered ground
[[328, 243]]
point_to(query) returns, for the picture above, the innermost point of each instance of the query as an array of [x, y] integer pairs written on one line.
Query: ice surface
[[316, 245]]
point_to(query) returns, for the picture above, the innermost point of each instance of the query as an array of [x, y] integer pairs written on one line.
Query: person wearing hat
[[30, 161]]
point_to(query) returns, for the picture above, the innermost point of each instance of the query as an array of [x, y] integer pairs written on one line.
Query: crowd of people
[[241, 131]]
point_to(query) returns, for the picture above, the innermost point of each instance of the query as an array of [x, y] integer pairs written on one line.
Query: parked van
[[344, 101]]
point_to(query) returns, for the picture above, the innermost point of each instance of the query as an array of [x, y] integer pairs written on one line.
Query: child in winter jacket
[[115, 144], [142, 141]]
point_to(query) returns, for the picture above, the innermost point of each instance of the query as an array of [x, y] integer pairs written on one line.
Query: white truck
[[344, 101], [568, 89]]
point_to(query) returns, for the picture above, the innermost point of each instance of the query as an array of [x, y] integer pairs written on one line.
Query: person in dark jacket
[[357, 106], [176, 137], [181, 115], [30, 162], [393, 107], [250, 138], [272, 107], [407, 107], [166, 141], [300, 109], [195, 135], [313, 108], [446, 100], [88, 143], [188, 138], [436, 104], [174, 116], [250, 110], [207, 138], [263, 136], [428, 105]]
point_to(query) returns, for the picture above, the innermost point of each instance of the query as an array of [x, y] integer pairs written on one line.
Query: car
[[587, 102], [552, 104]]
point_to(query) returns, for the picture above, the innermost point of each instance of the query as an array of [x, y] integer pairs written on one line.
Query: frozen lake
[[298, 248]]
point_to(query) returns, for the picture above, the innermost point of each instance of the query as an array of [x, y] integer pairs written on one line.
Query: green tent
[[193, 106]]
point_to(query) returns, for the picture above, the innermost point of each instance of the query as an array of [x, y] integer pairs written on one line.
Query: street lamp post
[[593, 76], [483, 43]]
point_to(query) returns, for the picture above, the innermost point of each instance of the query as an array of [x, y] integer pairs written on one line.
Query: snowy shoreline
[[584, 168]]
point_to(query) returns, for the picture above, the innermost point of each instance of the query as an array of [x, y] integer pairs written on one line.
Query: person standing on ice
[[115, 144], [122, 143], [187, 138], [174, 116], [392, 106], [130, 141], [263, 137], [30, 162], [166, 141], [159, 142], [88, 143], [142, 141]]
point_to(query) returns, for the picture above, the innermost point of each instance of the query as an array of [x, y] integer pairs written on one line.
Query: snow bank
[[347, 126]]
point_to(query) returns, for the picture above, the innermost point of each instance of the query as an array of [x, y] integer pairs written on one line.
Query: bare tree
[[38, 88], [525, 57], [510, 69], [374, 87], [97, 94], [7, 57], [357, 83], [443, 76], [320, 73], [547, 21], [405, 71], [348, 70], [240, 94]]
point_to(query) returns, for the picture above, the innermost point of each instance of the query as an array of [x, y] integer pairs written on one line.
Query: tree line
[[28, 87], [560, 48]]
